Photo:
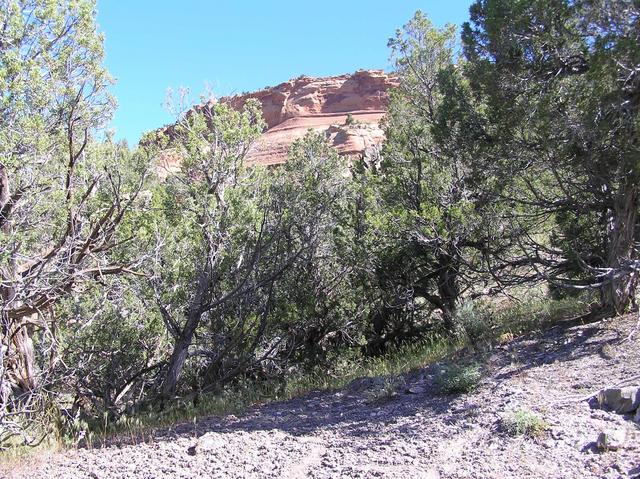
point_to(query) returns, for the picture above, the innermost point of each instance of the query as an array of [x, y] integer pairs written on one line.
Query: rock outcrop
[[621, 400], [346, 108]]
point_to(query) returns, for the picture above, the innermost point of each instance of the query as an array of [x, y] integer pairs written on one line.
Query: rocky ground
[[417, 434]]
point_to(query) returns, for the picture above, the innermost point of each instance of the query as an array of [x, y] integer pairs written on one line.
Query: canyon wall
[[346, 108]]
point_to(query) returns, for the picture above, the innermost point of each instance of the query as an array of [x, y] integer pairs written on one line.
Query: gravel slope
[[423, 435]]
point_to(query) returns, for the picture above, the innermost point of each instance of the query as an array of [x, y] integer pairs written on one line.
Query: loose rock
[[621, 400], [416, 390], [612, 439]]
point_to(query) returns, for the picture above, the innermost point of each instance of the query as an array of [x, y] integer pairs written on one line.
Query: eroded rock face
[[346, 108], [321, 104]]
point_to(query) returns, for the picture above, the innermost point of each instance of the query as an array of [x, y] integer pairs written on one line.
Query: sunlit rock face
[[346, 108]]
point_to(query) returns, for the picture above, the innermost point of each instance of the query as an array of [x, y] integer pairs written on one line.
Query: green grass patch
[[523, 422], [493, 320], [396, 362], [385, 391], [459, 378]]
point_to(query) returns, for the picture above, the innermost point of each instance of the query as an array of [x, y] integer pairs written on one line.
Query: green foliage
[[318, 299], [427, 218], [50, 69], [114, 345], [559, 145], [257, 256], [473, 320], [69, 203], [459, 378], [524, 422], [211, 225]]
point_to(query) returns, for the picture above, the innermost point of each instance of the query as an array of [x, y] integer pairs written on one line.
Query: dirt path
[[424, 435]]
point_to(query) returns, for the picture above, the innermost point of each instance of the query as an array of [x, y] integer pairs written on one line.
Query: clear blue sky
[[236, 46]]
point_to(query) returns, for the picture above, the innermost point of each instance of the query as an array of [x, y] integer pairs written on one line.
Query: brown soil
[[412, 435]]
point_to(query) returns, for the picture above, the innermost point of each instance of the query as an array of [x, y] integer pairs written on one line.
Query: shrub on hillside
[[523, 422], [459, 379], [473, 320]]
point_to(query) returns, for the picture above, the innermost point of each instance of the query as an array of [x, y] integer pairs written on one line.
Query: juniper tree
[[62, 199], [430, 210], [560, 83]]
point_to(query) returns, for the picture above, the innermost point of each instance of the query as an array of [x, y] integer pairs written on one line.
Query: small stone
[[416, 390], [621, 400], [612, 439], [548, 444], [192, 450]]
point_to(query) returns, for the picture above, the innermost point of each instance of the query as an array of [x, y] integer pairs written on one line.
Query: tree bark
[[183, 341], [18, 345], [176, 363], [619, 292], [448, 288]]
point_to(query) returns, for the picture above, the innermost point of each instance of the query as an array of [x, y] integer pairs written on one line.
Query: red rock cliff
[[321, 104]]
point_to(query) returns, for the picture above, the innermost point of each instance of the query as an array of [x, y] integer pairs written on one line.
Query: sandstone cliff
[[347, 108]]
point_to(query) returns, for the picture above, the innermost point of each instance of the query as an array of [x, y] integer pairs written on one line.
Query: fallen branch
[[633, 331], [572, 399]]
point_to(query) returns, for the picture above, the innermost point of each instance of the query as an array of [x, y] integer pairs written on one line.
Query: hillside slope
[[417, 434]]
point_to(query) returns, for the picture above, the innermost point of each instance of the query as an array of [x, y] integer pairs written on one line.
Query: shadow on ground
[[351, 411]]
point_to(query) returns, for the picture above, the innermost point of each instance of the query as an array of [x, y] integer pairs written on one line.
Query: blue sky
[[236, 46]]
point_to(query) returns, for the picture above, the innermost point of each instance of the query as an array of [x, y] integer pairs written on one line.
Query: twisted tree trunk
[[185, 337], [618, 292], [18, 360], [449, 284]]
